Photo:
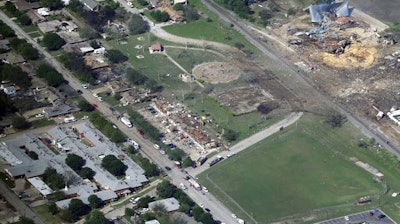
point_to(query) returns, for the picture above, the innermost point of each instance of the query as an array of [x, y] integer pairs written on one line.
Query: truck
[[69, 119], [135, 144], [194, 184], [201, 161], [126, 121]]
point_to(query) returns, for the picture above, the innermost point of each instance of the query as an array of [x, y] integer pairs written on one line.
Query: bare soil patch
[[216, 72]]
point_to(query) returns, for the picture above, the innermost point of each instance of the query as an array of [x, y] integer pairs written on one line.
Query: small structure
[[318, 12], [50, 26], [154, 221], [11, 58], [85, 50], [23, 5], [4, 44], [43, 11], [92, 5], [40, 186], [180, 2], [169, 204], [35, 16], [156, 48], [10, 91]]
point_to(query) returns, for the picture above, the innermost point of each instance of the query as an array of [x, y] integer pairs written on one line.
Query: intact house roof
[[12, 58], [4, 44], [92, 5], [60, 108], [35, 16], [105, 195], [49, 26], [170, 204], [23, 5], [40, 186]]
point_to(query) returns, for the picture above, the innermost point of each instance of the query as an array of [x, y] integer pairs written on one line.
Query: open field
[[302, 169], [249, 123], [385, 10], [44, 214], [188, 58]]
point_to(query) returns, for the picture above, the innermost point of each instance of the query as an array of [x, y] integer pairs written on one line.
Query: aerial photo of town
[[199, 111]]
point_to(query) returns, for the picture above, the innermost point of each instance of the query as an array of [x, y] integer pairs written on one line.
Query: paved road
[[19, 205], [293, 73], [361, 218], [218, 210], [290, 119]]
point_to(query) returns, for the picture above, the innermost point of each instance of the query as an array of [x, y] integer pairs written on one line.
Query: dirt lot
[[351, 62]]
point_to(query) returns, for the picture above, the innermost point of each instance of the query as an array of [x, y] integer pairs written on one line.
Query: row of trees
[[53, 41], [14, 74], [5, 30], [114, 134], [24, 48], [150, 169]]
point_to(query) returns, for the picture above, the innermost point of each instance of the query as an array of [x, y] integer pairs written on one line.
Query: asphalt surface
[[217, 209], [19, 205], [361, 217]]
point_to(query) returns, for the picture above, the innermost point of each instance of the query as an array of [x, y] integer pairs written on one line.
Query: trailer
[[126, 121], [194, 184]]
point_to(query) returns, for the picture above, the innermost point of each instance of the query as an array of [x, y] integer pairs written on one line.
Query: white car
[[156, 146], [162, 152], [39, 115], [95, 95], [346, 218], [100, 99], [205, 189], [2, 135]]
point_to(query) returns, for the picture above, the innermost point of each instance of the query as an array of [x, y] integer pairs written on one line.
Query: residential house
[[92, 5], [156, 48]]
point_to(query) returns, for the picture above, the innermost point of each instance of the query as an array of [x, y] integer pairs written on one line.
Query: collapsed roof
[[340, 9]]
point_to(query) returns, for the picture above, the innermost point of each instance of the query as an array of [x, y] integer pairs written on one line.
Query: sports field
[[294, 172]]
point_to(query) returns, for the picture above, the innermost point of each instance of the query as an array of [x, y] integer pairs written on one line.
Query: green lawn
[[43, 213], [222, 118], [212, 31], [190, 58], [292, 173]]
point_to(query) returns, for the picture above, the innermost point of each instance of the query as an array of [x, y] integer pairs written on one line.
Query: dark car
[[207, 210], [381, 216], [168, 168]]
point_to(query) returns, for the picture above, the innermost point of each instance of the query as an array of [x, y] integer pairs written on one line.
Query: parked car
[[156, 146], [168, 168]]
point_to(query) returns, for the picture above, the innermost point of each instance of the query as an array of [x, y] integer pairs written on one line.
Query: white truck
[[126, 121], [135, 144], [194, 184]]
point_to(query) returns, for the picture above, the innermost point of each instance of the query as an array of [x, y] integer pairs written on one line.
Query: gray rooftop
[[170, 204], [340, 9]]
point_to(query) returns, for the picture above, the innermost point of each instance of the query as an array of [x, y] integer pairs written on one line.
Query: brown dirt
[[216, 72]]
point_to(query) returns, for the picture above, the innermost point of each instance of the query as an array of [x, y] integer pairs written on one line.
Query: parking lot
[[363, 217]]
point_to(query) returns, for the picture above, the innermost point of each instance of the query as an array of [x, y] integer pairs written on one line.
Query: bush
[[335, 119], [116, 56], [159, 16], [20, 123], [137, 25], [231, 135]]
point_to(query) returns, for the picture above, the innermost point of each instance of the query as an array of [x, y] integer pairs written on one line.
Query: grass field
[[43, 213], [301, 169], [190, 58]]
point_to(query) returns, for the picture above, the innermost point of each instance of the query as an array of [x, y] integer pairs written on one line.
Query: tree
[[94, 201], [159, 16], [185, 208], [113, 165], [5, 30], [335, 119], [85, 106], [88, 32], [87, 173], [197, 212], [67, 215], [96, 217], [144, 201], [52, 208], [187, 162], [77, 208], [20, 123], [137, 25], [53, 179], [74, 161], [116, 56], [206, 218], [165, 189], [190, 13], [24, 20], [265, 15], [52, 4], [53, 41], [33, 155], [27, 51], [230, 135], [266, 108]]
